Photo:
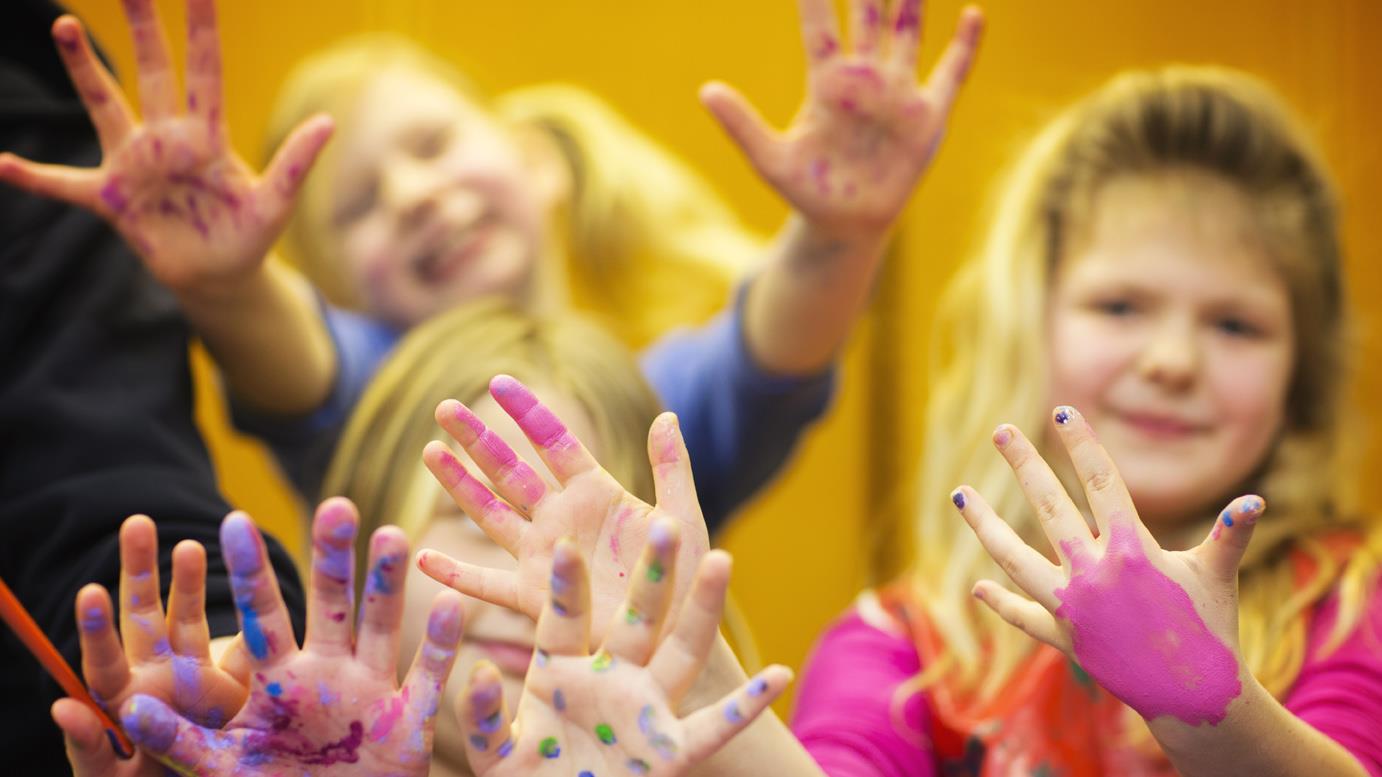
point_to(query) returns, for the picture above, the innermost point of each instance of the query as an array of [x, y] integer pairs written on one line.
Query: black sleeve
[[95, 401]]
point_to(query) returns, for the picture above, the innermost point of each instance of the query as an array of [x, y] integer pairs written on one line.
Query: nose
[[410, 191], [1171, 357]]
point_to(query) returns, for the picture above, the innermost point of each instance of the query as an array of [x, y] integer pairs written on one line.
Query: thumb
[[88, 750], [1222, 551]]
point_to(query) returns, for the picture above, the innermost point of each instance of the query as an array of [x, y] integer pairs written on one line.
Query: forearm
[[268, 337], [766, 743], [800, 310], [1258, 738]]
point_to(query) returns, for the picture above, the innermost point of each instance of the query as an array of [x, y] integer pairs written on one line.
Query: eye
[[1237, 327], [358, 204], [1116, 307], [430, 144]]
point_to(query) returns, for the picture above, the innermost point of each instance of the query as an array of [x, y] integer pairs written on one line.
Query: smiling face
[[492, 633], [1172, 333], [432, 202]]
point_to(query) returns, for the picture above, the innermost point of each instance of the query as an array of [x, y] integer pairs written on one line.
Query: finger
[[709, 728], [1026, 567], [952, 69], [431, 667], [867, 25], [673, 481], [1026, 615], [381, 612], [906, 33], [57, 182], [819, 32], [157, 82], [88, 749], [104, 665], [332, 597], [742, 122], [204, 86], [512, 477], [1223, 550], [291, 163], [186, 747], [104, 101], [493, 515], [634, 632], [679, 659], [141, 605], [1108, 496], [1060, 520], [188, 632], [485, 718], [564, 626], [236, 661], [264, 622], [496, 586], [563, 454]]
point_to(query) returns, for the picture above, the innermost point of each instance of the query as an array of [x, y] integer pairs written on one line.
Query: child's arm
[[1158, 629], [615, 711], [201, 220], [335, 705], [847, 165]]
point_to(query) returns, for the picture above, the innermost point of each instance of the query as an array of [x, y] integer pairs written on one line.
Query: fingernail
[[958, 498], [240, 545], [1064, 414], [150, 724], [1002, 436]]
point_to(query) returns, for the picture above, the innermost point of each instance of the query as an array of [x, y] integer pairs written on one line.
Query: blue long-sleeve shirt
[[740, 422]]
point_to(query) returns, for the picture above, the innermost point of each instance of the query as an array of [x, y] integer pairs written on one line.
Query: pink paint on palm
[[541, 425], [1137, 633], [383, 725]]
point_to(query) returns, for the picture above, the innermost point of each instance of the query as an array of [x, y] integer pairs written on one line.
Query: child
[[579, 369], [1166, 259], [430, 201]]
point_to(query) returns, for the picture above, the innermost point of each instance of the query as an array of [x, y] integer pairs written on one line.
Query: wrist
[[1181, 741]]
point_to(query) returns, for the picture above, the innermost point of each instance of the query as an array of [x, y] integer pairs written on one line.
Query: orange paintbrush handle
[[23, 625]]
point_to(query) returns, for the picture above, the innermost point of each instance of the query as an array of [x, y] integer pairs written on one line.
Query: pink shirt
[[845, 719]]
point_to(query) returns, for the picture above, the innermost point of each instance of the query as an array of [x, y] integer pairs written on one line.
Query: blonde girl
[[1165, 259]]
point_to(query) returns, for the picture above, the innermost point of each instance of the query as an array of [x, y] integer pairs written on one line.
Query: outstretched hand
[[867, 129], [526, 515], [614, 712], [171, 184], [1157, 628], [165, 656], [334, 706]]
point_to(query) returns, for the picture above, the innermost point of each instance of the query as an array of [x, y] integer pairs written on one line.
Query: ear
[[546, 163]]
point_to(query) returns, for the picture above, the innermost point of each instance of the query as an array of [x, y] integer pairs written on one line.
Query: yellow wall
[[801, 553]]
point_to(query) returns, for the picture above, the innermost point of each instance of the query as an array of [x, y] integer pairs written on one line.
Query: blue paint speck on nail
[[958, 498], [1064, 414], [1227, 519]]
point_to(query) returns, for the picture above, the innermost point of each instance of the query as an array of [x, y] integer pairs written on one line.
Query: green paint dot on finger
[[656, 571], [602, 661], [548, 748], [605, 733]]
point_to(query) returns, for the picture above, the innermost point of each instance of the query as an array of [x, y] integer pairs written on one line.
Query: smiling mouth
[[1161, 427], [443, 258]]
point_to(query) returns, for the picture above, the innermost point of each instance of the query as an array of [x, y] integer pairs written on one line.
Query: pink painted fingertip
[[1003, 435]]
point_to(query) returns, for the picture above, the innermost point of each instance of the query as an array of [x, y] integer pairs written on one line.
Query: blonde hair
[[989, 363], [645, 244], [378, 463]]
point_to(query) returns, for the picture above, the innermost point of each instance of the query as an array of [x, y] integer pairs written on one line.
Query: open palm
[[527, 516], [171, 184]]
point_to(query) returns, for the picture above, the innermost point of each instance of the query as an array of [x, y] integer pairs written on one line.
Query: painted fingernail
[[957, 497], [444, 624], [758, 687], [1226, 517], [1064, 414], [1002, 436], [240, 545]]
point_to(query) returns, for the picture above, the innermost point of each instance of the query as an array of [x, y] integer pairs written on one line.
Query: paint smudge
[[758, 687], [732, 713], [479, 743], [381, 579], [490, 724], [638, 766], [255, 639], [1064, 414], [274, 689], [541, 656], [958, 499], [559, 700], [94, 619], [665, 746], [602, 661], [113, 197], [605, 734], [548, 748], [656, 571], [383, 726], [1163, 661], [505, 749]]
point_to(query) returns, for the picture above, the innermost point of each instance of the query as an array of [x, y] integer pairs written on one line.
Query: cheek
[[1249, 389], [1086, 357]]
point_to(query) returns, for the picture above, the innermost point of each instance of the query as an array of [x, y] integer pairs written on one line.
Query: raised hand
[[867, 130], [334, 706], [167, 657], [526, 516], [171, 184], [614, 712], [1157, 628]]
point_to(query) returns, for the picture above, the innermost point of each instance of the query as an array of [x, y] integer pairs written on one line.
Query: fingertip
[[445, 622], [240, 544], [958, 498], [1003, 435], [150, 723]]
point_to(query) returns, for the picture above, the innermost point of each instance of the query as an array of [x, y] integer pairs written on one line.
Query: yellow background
[[802, 551]]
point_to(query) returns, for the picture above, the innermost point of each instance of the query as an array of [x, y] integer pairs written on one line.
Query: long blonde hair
[[378, 463], [645, 244], [989, 356]]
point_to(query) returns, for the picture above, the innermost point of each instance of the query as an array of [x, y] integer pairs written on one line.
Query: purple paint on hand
[[113, 197], [1137, 633], [240, 545], [150, 723], [540, 424], [94, 619], [383, 726]]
